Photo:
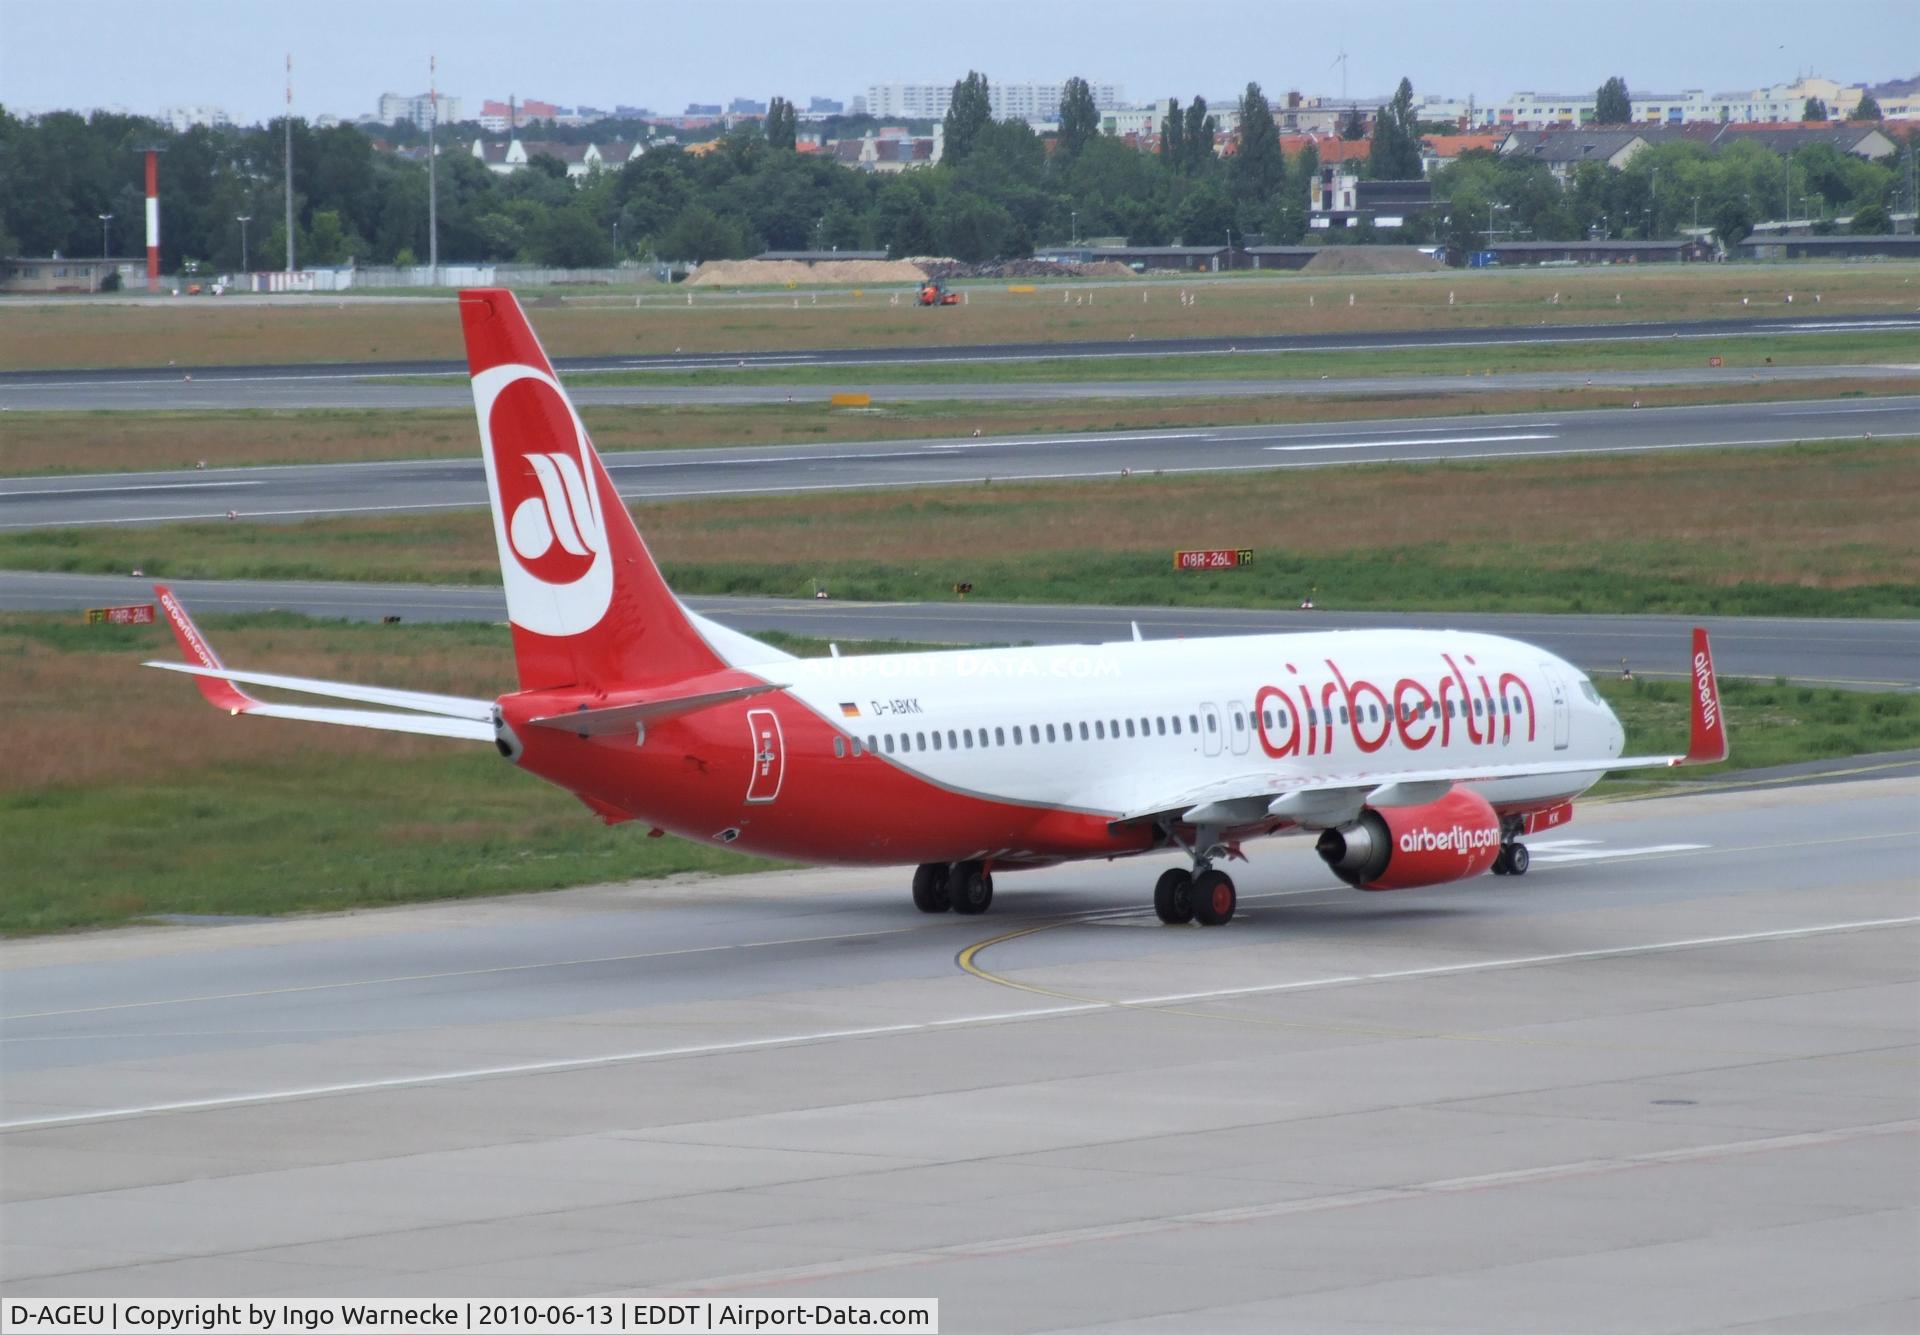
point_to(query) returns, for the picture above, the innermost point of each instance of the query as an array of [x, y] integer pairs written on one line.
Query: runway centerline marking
[[566, 1064], [1427, 440]]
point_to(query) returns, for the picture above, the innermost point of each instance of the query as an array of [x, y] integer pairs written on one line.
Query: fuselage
[[1031, 755]]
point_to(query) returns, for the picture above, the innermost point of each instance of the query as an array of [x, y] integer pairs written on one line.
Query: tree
[[1611, 105], [1196, 137], [1395, 155], [1079, 118], [781, 124], [1815, 110], [1871, 220], [568, 238], [547, 165], [1354, 125], [1205, 215], [1171, 149], [1866, 109], [1258, 170], [967, 115]]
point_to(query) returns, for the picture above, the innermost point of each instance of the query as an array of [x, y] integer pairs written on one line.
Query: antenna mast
[[433, 154], [287, 125]]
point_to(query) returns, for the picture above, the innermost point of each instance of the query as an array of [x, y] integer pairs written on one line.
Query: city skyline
[[677, 56]]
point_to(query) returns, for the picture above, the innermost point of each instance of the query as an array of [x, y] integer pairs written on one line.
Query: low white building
[[184, 118], [417, 110], [580, 159]]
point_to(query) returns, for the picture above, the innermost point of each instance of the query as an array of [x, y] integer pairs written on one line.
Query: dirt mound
[[1372, 259], [779, 273], [1023, 269]]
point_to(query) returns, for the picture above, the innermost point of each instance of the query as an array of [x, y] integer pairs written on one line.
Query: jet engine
[[1398, 848]]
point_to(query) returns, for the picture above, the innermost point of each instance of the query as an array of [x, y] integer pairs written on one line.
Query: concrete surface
[[1663, 1083], [415, 485]]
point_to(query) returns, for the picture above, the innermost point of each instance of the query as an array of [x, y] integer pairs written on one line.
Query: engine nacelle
[[1398, 848]]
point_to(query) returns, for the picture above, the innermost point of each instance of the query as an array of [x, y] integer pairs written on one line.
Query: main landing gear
[[1204, 895], [964, 887], [1513, 859]]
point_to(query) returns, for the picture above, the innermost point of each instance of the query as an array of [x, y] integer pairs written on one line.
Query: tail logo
[[543, 479]]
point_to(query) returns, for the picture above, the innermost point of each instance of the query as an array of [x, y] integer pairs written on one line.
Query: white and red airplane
[[1415, 757]]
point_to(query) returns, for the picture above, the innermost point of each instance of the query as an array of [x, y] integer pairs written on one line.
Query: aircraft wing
[[1336, 798], [430, 715]]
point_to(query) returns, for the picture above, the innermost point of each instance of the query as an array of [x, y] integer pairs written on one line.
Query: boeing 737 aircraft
[[1412, 757]]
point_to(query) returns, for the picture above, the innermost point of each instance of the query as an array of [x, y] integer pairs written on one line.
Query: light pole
[[243, 219], [1491, 206], [1073, 216], [616, 241], [105, 218]]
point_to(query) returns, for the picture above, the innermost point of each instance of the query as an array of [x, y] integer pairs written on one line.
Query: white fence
[[370, 278]]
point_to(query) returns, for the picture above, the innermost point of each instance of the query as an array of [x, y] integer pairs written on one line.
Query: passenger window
[[922, 741], [1083, 732], [966, 738], [1160, 726], [1000, 738], [1193, 722], [1049, 732], [889, 741], [1176, 725], [1213, 724], [1343, 713], [1033, 733], [1113, 726], [1099, 731], [950, 739], [1476, 706], [873, 744], [1016, 734], [856, 747], [1129, 727], [839, 747], [936, 741]]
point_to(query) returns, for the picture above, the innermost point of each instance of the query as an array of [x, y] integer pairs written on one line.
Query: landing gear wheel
[[1173, 896], [1214, 898], [971, 888], [1500, 867], [930, 892], [1517, 859]]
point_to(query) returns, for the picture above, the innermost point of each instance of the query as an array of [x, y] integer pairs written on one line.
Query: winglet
[[1707, 738], [220, 694]]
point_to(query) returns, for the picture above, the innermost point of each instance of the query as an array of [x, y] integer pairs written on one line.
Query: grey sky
[[141, 55]]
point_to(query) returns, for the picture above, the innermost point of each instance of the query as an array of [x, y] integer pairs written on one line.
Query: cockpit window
[[1586, 689]]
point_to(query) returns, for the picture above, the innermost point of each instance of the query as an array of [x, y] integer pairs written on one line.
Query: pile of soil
[[1371, 259], [778, 273], [1022, 269]]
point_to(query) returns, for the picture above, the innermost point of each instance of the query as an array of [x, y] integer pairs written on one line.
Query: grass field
[[1819, 530], [99, 442], [128, 798], [230, 330]]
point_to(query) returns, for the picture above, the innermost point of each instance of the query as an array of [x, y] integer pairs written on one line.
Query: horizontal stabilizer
[[450, 706], [613, 719]]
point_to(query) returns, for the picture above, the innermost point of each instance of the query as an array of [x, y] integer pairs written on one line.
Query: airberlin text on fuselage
[[1414, 710]]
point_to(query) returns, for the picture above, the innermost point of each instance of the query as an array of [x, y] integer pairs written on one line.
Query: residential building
[[1341, 199], [746, 106], [514, 155], [1564, 150], [1441, 150], [417, 110], [184, 118], [824, 106], [512, 114], [889, 151], [1030, 101]]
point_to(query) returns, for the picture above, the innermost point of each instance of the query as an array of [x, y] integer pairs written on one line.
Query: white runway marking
[[918, 1027], [1424, 440], [1591, 850]]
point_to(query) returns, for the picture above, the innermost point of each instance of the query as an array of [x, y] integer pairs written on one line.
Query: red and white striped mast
[[153, 219], [287, 124]]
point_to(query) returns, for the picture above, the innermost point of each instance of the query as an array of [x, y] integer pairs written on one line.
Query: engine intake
[[1399, 848]]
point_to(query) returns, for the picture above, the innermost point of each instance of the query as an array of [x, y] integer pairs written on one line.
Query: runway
[[307, 491], [1672, 1066], [1852, 654], [270, 391], [110, 384]]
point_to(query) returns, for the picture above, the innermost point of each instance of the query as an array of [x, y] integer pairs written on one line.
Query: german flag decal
[[848, 709]]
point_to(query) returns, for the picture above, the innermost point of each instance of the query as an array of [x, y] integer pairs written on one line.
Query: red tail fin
[[1707, 738], [587, 603]]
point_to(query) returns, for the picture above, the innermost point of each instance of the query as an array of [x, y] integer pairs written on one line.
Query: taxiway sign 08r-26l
[[1414, 758]]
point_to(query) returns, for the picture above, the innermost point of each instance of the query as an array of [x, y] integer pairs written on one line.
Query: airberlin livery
[[1414, 758]]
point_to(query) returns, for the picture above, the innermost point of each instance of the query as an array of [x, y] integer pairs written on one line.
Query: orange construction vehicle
[[934, 293]]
